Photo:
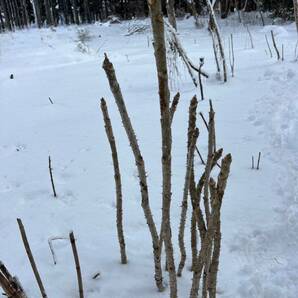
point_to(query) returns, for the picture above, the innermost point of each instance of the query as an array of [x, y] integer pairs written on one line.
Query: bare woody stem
[[51, 176], [259, 159], [31, 259], [115, 88], [157, 24], [209, 236], [189, 167], [209, 162], [204, 120], [275, 46], [200, 79], [117, 176], [77, 263]]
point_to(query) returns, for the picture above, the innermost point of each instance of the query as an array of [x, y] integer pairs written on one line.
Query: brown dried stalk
[[117, 176], [10, 285], [115, 88], [189, 169], [31, 259], [51, 176], [77, 263], [259, 159]]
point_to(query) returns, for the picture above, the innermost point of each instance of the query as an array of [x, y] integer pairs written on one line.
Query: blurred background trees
[[24, 13]]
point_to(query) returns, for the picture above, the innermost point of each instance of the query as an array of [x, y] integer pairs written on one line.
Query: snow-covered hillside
[[256, 111]]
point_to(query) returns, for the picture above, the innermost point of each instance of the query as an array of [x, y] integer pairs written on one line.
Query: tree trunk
[[49, 15], [86, 12], [75, 12], [37, 13], [5, 9]]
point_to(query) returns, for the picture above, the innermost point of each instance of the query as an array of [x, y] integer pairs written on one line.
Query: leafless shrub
[[137, 28], [83, 38]]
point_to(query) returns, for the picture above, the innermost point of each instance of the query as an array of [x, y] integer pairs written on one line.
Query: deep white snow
[[255, 111]]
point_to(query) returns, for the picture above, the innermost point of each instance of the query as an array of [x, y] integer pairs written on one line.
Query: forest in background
[[24, 13]]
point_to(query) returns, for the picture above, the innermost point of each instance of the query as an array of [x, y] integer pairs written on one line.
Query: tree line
[[24, 13]]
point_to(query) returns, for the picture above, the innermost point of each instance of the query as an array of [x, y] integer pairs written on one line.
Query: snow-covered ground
[[257, 110]]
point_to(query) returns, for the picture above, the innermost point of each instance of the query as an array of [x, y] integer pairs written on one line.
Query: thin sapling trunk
[[117, 177]]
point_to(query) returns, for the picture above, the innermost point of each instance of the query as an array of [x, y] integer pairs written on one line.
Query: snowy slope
[[255, 111]]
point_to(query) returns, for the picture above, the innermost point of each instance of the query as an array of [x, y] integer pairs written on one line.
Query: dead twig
[[275, 46], [259, 159], [51, 176], [77, 263], [31, 259], [50, 242]]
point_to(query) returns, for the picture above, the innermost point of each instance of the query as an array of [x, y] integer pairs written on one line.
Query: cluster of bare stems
[[205, 219], [205, 195]]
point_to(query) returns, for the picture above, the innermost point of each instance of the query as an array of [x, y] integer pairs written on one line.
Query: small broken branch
[[77, 263], [200, 78], [51, 176], [275, 46], [259, 159], [31, 259], [50, 242], [174, 105], [205, 122]]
